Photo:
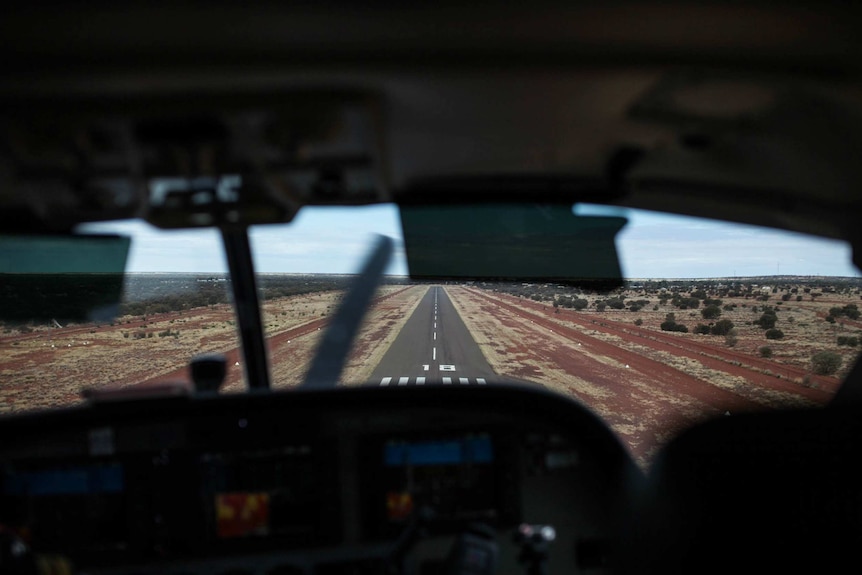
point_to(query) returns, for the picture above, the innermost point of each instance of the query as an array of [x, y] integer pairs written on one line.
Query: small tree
[[825, 362], [767, 320], [722, 327], [711, 312], [765, 351], [774, 333], [669, 324]]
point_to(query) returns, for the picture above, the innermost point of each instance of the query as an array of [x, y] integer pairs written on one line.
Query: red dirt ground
[[642, 397], [733, 362], [41, 371], [644, 400], [277, 349]]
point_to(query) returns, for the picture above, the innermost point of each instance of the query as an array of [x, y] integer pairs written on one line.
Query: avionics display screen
[[468, 450], [76, 507], [454, 477], [263, 494], [76, 480]]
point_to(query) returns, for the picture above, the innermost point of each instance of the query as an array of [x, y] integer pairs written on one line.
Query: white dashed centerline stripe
[[403, 380], [447, 380], [434, 354], [420, 381], [463, 380], [435, 336], [385, 381]]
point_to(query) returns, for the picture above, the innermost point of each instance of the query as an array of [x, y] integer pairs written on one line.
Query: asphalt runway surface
[[434, 347]]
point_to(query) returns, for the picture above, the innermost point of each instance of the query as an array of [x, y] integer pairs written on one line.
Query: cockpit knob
[[208, 372]]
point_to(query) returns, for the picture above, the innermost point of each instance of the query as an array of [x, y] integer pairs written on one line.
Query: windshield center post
[[241, 267]]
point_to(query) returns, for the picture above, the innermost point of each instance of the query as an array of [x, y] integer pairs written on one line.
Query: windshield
[[714, 318]]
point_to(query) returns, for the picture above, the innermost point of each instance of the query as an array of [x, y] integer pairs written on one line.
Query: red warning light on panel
[[242, 514], [399, 505]]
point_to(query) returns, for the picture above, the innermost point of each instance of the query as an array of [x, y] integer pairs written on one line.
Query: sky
[[336, 240]]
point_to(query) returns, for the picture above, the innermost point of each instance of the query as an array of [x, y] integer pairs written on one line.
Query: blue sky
[[335, 240]]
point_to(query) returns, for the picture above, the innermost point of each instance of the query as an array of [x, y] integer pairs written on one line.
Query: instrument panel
[[348, 481]]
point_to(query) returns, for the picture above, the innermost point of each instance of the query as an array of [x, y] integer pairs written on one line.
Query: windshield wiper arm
[[332, 353]]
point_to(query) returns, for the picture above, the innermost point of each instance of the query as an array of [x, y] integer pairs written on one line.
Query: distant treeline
[[206, 294], [43, 299], [685, 293], [276, 286], [188, 292]]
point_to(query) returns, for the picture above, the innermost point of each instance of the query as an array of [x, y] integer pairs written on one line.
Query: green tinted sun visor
[[512, 242], [61, 278]]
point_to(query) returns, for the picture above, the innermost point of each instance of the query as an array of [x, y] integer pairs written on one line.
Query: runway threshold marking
[[405, 380]]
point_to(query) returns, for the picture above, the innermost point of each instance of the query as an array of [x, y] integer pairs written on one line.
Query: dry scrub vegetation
[[803, 323], [674, 378], [45, 367], [289, 358]]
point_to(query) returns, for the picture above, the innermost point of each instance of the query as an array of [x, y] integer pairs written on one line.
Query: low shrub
[[825, 362]]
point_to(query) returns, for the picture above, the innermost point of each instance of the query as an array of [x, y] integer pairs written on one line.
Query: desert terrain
[[649, 383], [48, 366], [621, 354]]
